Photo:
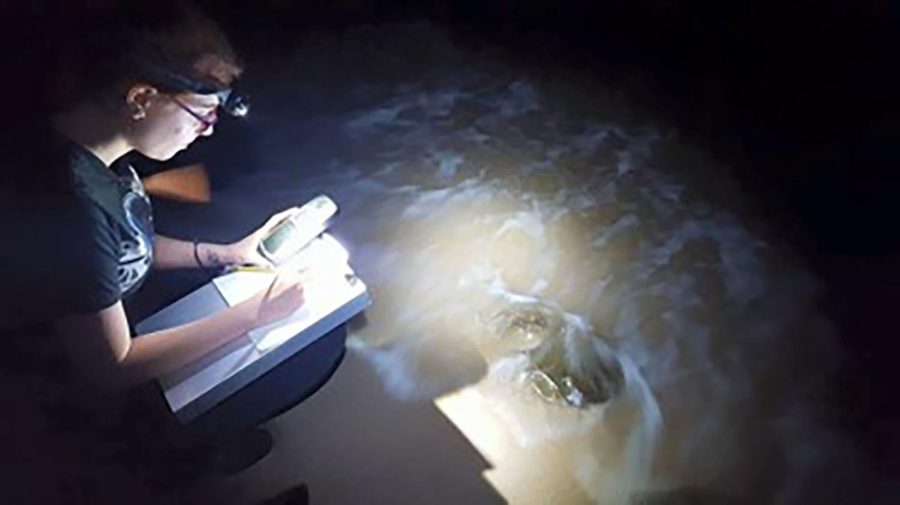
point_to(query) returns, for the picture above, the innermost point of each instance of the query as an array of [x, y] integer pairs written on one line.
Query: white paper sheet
[[239, 286], [327, 294], [330, 291]]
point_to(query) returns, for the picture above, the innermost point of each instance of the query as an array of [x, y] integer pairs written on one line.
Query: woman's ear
[[138, 99]]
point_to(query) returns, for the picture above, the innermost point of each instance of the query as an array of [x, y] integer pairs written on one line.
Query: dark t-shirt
[[77, 235]]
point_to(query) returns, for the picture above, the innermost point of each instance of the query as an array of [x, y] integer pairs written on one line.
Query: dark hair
[[173, 36]]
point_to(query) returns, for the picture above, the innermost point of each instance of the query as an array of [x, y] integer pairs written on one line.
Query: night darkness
[[795, 99]]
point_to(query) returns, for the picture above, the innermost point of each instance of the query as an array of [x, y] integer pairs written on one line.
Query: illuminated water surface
[[579, 290]]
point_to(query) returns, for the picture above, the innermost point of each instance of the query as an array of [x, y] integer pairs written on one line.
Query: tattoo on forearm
[[212, 257]]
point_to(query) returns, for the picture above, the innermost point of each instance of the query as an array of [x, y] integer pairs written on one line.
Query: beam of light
[[469, 197], [478, 286]]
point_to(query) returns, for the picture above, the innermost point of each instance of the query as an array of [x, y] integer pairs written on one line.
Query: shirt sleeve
[[93, 261], [68, 252]]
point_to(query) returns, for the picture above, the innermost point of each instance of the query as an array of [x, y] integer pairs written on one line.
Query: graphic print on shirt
[[136, 246]]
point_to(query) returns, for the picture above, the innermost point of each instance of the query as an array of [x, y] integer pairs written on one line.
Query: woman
[[169, 86], [79, 227]]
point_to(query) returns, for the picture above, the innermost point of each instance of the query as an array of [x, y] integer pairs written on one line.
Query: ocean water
[[581, 290]]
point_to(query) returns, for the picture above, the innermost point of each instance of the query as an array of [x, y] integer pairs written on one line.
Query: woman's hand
[[281, 299], [246, 250]]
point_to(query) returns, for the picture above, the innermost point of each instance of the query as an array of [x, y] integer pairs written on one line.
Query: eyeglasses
[[207, 121]]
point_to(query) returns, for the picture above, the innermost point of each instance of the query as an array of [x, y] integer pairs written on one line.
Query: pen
[[252, 268]]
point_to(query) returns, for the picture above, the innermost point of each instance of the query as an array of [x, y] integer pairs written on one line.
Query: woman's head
[[159, 124], [159, 82]]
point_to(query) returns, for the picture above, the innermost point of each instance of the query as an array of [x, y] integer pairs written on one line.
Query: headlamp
[[234, 103], [231, 100]]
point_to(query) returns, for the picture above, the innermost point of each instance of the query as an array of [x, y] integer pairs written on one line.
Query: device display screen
[[279, 238]]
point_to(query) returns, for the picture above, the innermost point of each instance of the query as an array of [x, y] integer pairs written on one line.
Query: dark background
[[797, 97]]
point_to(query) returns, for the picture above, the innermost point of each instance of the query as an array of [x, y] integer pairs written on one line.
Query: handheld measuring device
[[294, 233]]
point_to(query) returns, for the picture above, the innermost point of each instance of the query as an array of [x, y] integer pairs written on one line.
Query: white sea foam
[[464, 200]]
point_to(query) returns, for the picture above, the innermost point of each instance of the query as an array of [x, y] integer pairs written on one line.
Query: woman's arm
[[173, 253], [101, 346]]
